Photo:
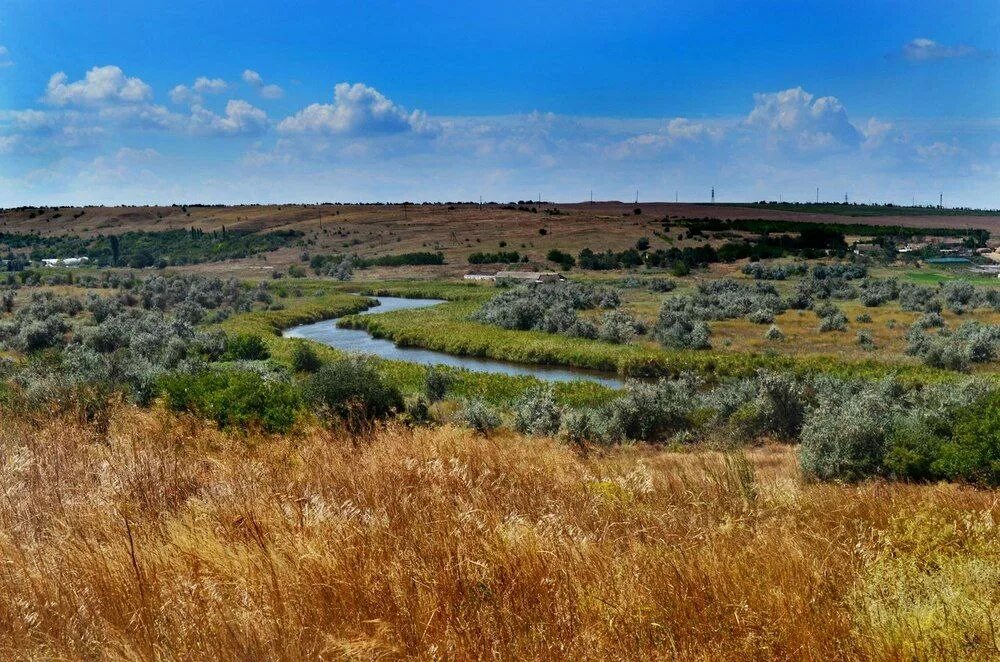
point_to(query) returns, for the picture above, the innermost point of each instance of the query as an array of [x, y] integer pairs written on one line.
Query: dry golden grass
[[163, 538]]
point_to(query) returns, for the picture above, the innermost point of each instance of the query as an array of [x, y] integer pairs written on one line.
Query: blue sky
[[257, 102]]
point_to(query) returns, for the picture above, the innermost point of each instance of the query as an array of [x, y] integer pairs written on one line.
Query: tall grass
[[163, 538]]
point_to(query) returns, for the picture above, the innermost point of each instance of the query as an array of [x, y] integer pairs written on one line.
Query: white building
[[64, 261]]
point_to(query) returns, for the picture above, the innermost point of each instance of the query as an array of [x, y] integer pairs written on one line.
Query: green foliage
[[973, 452], [436, 384], [352, 390], [142, 249], [234, 398], [246, 347], [564, 260], [503, 257], [536, 412], [305, 358], [402, 259], [480, 416]]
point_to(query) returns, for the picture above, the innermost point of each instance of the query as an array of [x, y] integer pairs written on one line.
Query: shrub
[[305, 358], [762, 271], [774, 334], [246, 347], [875, 292], [480, 416], [831, 318], [436, 384], [501, 257], [863, 318], [845, 436], [234, 398], [549, 307], [618, 327], [675, 329], [578, 426], [564, 260], [973, 452], [866, 340], [913, 448], [649, 412], [351, 389], [662, 285], [761, 316], [536, 412]]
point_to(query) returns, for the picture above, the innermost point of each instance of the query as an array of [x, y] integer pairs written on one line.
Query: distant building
[[64, 261], [867, 249], [520, 276], [531, 276]]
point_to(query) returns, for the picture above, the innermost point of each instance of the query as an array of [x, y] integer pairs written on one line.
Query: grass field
[[160, 537]]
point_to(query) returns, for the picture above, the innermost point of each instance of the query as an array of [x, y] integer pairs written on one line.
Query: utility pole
[[941, 201], [675, 196], [817, 195], [713, 195], [637, 196]]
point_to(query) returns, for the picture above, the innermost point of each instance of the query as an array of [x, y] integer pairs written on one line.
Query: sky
[[242, 102]]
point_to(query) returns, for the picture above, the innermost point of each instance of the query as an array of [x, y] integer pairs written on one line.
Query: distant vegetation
[[500, 257], [856, 209], [817, 230], [147, 249]]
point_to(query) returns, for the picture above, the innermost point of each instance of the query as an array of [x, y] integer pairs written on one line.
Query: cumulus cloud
[[356, 110], [254, 79], [677, 132], [271, 92], [922, 49], [797, 119], [181, 94], [5, 60], [204, 85], [191, 95], [100, 86], [251, 77], [241, 118]]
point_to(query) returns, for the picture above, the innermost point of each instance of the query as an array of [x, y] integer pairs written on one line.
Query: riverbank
[[322, 300], [448, 328]]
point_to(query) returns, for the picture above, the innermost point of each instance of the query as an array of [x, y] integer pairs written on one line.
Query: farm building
[[64, 261], [520, 276], [532, 276]]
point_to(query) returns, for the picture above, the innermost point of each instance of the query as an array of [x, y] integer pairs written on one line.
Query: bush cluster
[[764, 271], [551, 307]]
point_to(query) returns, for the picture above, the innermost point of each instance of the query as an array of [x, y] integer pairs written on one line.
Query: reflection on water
[[360, 341]]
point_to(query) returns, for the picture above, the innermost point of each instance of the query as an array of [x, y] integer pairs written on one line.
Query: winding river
[[362, 342]]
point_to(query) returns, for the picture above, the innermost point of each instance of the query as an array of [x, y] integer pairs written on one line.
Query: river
[[361, 342]]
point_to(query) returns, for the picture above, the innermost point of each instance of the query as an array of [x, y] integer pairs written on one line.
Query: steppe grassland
[[161, 537]]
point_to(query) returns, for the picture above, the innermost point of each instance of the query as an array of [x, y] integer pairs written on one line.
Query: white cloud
[[205, 85], [356, 110], [191, 95], [254, 79], [938, 150], [251, 77], [5, 60], [922, 49], [241, 118], [794, 118], [271, 92], [181, 94], [100, 86]]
